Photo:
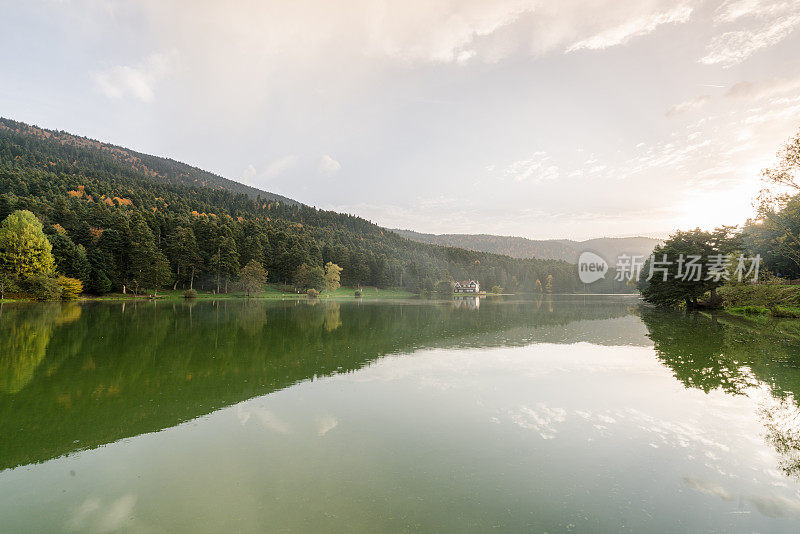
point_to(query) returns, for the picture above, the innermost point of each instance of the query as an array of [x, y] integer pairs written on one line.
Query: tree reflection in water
[[738, 356], [77, 376], [25, 332]]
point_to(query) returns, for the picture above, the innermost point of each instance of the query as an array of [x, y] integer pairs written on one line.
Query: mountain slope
[[84, 150], [120, 219], [553, 249]]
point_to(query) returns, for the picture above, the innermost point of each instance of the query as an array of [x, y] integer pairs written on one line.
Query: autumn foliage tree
[[333, 275]]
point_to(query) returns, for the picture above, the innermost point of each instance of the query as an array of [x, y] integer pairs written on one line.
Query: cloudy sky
[[519, 117]]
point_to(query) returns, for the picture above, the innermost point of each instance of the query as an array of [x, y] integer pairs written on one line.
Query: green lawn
[[775, 300], [271, 292], [369, 292]]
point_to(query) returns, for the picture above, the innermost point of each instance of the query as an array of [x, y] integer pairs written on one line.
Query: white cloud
[[261, 175], [763, 89], [629, 29], [536, 169], [278, 166], [438, 31], [733, 10], [745, 90], [137, 81], [260, 36], [688, 105], [325, 424], [541, 418], [94, 515], [328, 165], [260, 414], [766, 23]]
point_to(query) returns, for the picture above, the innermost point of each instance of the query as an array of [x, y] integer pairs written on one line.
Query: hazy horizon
[[515, 118]]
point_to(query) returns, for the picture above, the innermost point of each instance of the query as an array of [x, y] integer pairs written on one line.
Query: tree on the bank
[[8, 284], [682, 270], [251, 250], [71, 288], [333, 276], [71, 259], [185, 255], [308, 277], [775, 233], [141, 254], [225, 261], [157, 273], [24, 249], [252, 277]]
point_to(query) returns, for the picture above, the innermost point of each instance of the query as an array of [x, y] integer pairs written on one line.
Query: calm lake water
[[551, 415]]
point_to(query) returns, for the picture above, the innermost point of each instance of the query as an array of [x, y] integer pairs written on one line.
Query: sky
[[542, 119]]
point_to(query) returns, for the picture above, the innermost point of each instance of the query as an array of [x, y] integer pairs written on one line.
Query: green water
[[550, 415]]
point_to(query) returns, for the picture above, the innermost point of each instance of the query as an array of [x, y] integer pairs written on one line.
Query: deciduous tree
[[308, 277], [333, 275], [24, 249], [252, 277]]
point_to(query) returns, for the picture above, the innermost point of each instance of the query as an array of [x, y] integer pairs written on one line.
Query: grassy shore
[[270, 292], [772, 299]]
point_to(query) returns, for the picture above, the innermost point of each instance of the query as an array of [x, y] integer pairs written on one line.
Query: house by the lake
[[467, 286]]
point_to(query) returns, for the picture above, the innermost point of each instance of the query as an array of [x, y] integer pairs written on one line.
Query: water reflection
[[25, 333], [76, 376], [740, 357], [544, 414]]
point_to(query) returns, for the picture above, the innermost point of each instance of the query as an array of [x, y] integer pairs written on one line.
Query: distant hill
[[154, 167], [548, 249]]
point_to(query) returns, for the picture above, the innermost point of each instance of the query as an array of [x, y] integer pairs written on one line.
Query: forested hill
[[116, 217], [555, 249], [81, 153]]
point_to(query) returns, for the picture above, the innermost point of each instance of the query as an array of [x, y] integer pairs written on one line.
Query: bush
[[71, 288], [312, 293], [357, 293], [781, 311], [190, 294], [43, 287], [497, 289]]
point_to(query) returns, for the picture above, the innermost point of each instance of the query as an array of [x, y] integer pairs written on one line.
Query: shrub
[[312, 293], [43, 287], [190, 294], [71, 288], [770, 294], [358, 293], [497, 289], [780, 311]]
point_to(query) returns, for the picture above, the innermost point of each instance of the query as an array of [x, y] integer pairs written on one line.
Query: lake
[[557, 414]]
